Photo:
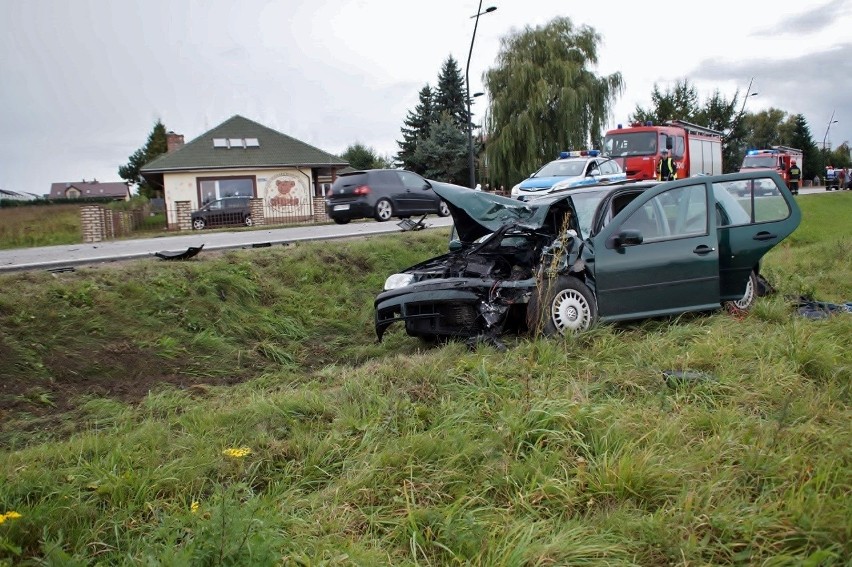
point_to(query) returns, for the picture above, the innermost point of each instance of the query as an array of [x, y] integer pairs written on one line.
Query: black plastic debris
[[810, 308], [190, 252], [408, 224]]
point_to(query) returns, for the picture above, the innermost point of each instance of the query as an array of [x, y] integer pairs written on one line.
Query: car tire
[[748, 299], [248, 221], [341, 220], [384, 210], [566, 306], [443, 209], [198, 224]]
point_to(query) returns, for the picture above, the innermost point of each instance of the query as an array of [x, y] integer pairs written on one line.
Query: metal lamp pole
[[830, 122], [479, 12]]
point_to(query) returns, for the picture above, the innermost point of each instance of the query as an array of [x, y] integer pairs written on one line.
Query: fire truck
[[696, 150], [776, 158]]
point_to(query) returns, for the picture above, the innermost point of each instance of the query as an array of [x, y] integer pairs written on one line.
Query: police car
[[572, 169]]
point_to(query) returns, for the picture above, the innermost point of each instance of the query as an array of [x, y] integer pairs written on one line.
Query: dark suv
[[382, 194], [223, 212]]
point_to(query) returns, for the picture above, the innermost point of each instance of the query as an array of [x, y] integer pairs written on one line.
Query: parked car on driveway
[[561, 263], [570, 170], [382, 194], [227, 211]]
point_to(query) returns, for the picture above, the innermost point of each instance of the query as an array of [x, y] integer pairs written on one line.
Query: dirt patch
[[118, 371]]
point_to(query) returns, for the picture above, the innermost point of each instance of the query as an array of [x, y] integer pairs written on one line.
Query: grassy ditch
[[237, 410]]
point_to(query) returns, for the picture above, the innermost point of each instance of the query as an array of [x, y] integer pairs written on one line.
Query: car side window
[[676, 213], [749, 201], [411, 180]]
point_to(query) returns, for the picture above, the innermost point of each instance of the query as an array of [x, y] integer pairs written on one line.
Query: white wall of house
[[280, 188]]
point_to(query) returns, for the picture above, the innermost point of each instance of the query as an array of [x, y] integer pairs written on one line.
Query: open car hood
[[477, 213]]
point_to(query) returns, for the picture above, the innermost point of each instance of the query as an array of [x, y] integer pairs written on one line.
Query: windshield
[[759, 161], [562, 168], [585, 204], [631, 144]]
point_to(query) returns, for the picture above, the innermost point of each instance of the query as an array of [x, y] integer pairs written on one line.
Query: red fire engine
[[777, 158], [695, 149]]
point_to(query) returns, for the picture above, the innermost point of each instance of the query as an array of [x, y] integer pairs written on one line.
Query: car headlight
[[398, 280], [516, 190]]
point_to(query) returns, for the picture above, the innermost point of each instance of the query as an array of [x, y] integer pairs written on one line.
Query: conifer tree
[[154, 147], [450, 96], [416, 127]]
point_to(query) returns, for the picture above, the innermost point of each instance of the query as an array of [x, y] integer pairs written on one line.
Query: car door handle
[[703, 249], [763, 235]]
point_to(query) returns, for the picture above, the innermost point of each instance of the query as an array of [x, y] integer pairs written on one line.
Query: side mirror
[[629, 237], [455, 245], [594, 173]]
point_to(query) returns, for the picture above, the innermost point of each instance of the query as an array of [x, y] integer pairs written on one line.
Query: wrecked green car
[[563, 262]]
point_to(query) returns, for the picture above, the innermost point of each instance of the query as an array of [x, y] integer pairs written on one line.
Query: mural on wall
[[285, 192]]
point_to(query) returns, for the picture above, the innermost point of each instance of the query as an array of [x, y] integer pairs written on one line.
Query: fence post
[[256, 210], [184, 215], [320, 215], [92, 223]]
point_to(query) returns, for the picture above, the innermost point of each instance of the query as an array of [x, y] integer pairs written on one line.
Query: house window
[[212, 188]]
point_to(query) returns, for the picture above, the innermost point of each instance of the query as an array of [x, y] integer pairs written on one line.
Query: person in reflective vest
[[795, 176], [666, 169]]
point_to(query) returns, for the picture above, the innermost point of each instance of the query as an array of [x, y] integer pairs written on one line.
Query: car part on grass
[[810, 308], [408, 224], [190, 252]]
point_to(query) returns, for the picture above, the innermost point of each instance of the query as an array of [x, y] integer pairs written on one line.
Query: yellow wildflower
[[10, 515], [194, 506], [237, 452]]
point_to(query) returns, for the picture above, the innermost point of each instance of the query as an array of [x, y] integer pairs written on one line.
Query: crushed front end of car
[[481, 289]]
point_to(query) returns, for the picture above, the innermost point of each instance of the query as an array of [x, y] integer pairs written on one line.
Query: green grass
[[123, 385]]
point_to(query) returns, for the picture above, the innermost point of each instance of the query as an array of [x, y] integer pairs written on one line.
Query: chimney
[[174, 141]]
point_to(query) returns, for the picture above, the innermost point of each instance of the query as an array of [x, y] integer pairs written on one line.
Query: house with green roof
[[243, 158]]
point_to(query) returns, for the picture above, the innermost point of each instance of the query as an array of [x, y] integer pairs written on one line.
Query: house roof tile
[[274, 150], [90, 189]]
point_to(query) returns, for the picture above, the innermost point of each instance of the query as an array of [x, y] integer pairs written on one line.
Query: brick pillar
[[319, 210], [257, 215], [184, 215], [109, 223], [92, 223]]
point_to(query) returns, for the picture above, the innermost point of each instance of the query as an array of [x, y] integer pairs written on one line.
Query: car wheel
[[341, 220], [198, 224], [567, 305], [384, 210], [443, 209], [748, 298], [248, 222]]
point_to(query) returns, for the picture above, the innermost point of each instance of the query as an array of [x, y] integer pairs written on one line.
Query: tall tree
[[803, 140], [545, 98], [154, 147], [360, 156], [445, 152], [450, 96], [416, 127], [679, 103], [764, 128]]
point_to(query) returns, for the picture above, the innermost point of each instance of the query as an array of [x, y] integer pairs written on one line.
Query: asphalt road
[[57, 257]]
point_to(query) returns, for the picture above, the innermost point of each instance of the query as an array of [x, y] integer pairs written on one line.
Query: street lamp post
[[742, 109], [479, 12], [830, 122]]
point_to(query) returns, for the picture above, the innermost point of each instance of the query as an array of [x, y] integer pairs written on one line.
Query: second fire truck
[[776, 158]]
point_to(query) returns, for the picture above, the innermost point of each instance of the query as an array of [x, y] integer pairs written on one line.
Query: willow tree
[[545, 97]]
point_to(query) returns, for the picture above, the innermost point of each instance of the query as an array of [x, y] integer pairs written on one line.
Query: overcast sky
[[82, 82]]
